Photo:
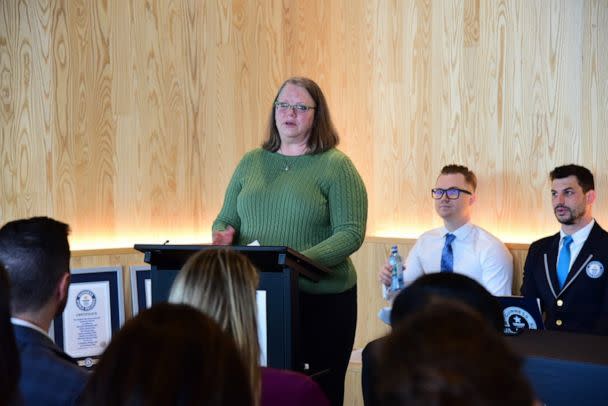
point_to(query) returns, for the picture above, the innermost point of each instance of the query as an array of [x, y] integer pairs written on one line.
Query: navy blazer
[[48, 375], [582, 304]]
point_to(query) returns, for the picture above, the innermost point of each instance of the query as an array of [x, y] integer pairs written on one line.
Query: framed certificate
[[94, 311], [141, 288]]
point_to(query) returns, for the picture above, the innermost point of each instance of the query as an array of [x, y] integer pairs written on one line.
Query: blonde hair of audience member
[[222, 284]]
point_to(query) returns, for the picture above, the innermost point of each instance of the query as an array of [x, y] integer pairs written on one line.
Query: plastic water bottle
[[397, 272]]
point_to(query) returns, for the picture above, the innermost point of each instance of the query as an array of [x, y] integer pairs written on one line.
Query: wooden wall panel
[[126, 119]]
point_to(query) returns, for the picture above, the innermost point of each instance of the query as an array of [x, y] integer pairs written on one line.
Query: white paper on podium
[[260, 297], [148, 289]]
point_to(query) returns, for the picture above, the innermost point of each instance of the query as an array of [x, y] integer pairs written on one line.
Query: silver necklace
[[285, 161], [287, 165]]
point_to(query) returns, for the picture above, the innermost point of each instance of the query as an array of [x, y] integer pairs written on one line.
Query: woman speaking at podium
[[299, 191]]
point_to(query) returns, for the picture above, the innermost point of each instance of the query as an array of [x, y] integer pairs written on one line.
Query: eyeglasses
[[452, 193], [282, 106]]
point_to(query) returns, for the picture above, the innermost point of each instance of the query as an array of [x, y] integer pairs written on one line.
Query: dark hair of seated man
[[447, 285], [170, 354], [447, 354]]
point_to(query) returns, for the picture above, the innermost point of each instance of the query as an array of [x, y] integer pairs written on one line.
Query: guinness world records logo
[[594, 269], [517, 319], [86, 300]]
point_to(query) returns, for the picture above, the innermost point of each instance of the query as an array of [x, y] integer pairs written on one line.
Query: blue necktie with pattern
[[447, 255], [563, 264]]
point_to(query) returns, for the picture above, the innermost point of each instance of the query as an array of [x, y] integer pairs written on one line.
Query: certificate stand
[[279, 269]]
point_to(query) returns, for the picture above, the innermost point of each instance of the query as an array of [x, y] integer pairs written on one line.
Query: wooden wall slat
[[127, 119]]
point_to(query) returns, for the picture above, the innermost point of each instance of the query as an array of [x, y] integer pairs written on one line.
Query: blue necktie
[[447, 255], [563, 264]]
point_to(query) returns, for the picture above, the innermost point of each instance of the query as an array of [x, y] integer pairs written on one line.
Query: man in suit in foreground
[[567, 271], [36, 255]]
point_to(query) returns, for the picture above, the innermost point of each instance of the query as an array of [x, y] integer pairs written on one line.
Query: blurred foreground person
[[222, 284], [447, 354], [423, 292], [9, 357], [170, 355]]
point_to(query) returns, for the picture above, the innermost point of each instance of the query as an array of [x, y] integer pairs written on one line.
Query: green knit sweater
[[315, 204]]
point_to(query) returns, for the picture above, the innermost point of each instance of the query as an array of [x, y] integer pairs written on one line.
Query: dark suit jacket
[[582, 304], [48, 375]]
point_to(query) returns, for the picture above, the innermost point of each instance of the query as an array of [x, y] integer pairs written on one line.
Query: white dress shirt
[[477, 254], [578, 240]]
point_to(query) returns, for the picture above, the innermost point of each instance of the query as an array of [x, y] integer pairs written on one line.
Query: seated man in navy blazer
[[567, 271], [36, 255]]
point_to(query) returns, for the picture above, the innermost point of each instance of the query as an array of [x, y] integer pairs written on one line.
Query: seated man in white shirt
[[458, 246]]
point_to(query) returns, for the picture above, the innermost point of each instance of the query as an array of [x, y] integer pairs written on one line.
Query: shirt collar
[[25, 323], [581, 235], [461, 232]]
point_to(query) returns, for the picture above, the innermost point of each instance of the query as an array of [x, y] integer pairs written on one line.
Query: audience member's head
[[222, 284], [36, 255], [9, 356], [447, 354], [170, 355], [434, 287]]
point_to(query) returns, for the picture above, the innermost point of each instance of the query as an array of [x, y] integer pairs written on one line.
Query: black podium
[[279, 269]]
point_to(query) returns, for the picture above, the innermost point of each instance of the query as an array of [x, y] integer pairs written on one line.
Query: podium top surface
[[265, 258]]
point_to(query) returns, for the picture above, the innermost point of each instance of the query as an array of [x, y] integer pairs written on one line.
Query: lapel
[[585, 255], [578, 266], [587, 249], [551, 264]]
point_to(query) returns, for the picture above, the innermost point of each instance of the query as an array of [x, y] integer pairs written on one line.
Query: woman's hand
[[225, 237]]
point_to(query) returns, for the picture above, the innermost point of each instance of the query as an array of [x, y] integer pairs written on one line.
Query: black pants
[[328, 333]]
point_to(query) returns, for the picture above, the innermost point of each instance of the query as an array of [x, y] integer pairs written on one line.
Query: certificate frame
[[110, 276], [140, 276]]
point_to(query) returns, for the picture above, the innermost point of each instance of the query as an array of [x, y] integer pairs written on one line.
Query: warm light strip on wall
[[507, 238], [98, 243], [101, 243]]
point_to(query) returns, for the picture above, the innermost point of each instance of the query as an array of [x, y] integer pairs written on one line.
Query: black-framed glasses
[[282, 106], [452, 193]]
